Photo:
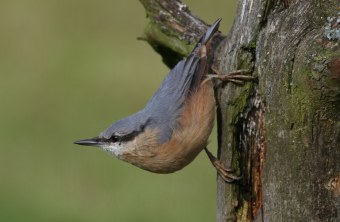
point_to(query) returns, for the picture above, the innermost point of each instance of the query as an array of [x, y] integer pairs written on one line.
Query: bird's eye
[[114, 138]]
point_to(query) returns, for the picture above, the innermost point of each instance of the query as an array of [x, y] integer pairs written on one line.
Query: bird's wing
[[165, 106]]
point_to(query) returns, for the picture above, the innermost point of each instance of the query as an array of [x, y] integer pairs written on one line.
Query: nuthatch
[[174, 126]]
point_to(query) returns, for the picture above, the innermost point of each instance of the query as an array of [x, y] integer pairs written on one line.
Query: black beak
[[89, 142]]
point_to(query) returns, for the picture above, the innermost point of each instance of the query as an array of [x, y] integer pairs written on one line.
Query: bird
[[174, 126]]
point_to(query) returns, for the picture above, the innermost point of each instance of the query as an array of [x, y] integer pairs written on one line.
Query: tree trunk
[[281, 133]]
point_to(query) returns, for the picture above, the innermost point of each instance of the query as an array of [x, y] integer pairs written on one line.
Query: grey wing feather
[[165, 106]]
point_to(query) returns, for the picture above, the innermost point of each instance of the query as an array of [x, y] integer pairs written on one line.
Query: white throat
[[115, 149]]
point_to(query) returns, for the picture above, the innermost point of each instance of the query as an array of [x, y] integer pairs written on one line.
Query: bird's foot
[[237, 76], [226, 173]]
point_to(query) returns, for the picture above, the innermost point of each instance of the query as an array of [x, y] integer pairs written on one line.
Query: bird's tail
[[210, 32], [200, 68]]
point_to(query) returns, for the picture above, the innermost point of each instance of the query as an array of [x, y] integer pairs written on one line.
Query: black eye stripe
[[122, 138]]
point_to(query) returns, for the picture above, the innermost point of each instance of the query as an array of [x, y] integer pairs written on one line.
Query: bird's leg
[[226, 173], [237, 76]]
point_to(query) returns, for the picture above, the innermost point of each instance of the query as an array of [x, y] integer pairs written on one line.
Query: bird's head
[[117, 137]]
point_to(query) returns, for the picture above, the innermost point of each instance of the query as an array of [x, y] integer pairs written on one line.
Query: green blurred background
[[68, 69]]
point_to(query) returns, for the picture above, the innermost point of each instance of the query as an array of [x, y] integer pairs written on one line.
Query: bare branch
[[171, 30]]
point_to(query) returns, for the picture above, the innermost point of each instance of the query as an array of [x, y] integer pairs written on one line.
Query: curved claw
[[226, 173]]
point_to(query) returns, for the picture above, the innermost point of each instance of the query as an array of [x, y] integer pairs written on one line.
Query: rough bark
[[282, 133]]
